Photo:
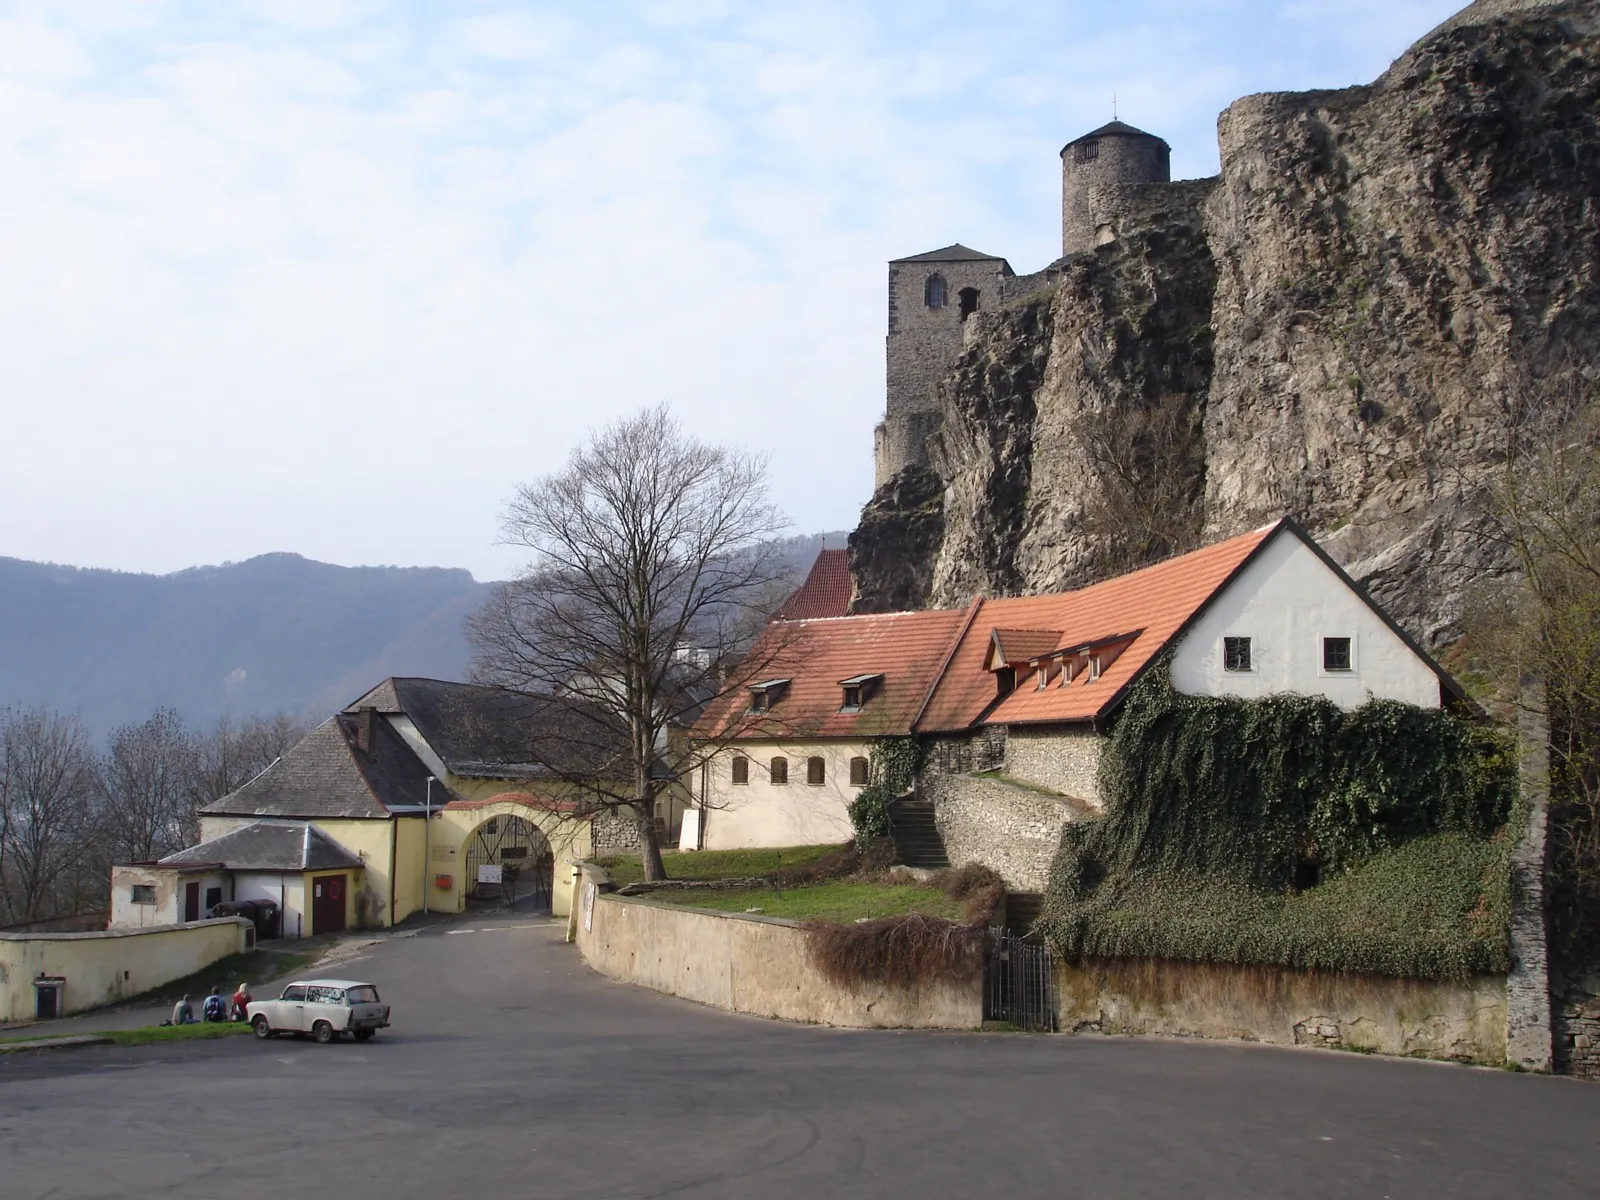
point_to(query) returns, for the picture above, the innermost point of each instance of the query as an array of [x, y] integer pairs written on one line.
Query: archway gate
[[508, 858]]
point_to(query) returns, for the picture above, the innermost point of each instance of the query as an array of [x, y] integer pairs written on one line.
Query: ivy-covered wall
[[1290, 832]]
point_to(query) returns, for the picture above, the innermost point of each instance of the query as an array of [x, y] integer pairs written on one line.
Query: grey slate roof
[[326, 775], [953, 253], [268, 846], [1113, 129], [495, 733]]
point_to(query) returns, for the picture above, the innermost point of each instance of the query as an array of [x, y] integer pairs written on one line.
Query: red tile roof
[[825, 593], [906, 648], [1155, 602], [934, 663]]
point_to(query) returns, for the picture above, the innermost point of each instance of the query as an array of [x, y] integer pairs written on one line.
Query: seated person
[[183, 1013], [241, 1002], [216, 1008]]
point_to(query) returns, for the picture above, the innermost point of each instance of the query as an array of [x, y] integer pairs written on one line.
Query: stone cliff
[[1347, 325]]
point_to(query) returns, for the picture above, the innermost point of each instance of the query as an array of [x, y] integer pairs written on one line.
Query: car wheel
[[323, 1032], [363, 1035], [262, 1029]]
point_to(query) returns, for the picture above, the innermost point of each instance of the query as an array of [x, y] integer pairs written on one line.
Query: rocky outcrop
[[1346, 325]]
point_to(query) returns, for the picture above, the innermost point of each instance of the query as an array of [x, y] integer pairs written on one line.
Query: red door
[[327, 903], [191, 901]]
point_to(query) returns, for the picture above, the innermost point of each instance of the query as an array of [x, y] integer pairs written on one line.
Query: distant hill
[[278, 632]]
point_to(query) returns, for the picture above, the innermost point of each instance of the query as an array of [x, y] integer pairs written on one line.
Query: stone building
[[934, 297]]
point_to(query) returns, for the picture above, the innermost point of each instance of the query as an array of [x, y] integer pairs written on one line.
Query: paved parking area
[[514, 1071]]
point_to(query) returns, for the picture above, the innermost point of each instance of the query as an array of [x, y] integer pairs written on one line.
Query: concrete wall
[[762, 813], [103, 968], [1463, 1021], [1063, 758], [1004, 827], [1286, 601], [753, 965], [170, 885]]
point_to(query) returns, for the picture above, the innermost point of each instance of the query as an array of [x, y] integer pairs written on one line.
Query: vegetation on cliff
[[1290, 832]]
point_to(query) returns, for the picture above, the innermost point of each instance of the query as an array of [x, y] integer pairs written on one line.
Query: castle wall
[[920, 347], [1119, 160]]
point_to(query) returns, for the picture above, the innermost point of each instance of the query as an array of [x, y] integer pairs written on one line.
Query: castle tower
[[1092, 169], [931, 298]]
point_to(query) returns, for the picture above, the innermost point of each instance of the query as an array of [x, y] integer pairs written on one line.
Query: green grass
[[715, 864], [149, 1035], [836, 900]]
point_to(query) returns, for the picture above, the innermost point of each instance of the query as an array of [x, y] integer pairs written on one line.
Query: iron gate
[[1019, 982], [518, 852]]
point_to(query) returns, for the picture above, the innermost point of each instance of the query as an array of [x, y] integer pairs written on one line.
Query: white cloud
[[332, 278]]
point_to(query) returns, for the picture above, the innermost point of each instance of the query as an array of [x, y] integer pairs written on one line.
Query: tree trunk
[[649, 847]]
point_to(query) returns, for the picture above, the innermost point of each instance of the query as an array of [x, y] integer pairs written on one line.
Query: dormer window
[[763, 696], [857, 690], [1094, 667], [1044, 677], [1069, 667]]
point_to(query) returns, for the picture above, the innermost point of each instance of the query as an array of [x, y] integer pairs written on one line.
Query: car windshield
[[366, 994]]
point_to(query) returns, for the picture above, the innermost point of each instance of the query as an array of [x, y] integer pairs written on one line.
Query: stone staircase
[[916, 836], [1022, 910]]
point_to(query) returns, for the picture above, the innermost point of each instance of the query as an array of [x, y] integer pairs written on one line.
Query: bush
[[1217, 808], [981, 891], [892, 771], [897, 951]]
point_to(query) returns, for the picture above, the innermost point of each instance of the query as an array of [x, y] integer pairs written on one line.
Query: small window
[[780, 770], [1087, 150], [969, 301], [1336, 654], [933, 292], [144, 893], [1044, 677], [1005, 681], [1236, 654], [365, 994], [760, 702], [852, 697], [213, 898], [816, 771], [741, 769], [295, 991], [858, 772], [1094, 667], [1067, 667]]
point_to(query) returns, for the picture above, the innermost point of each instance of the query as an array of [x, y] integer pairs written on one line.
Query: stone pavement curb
[[60, 1043]]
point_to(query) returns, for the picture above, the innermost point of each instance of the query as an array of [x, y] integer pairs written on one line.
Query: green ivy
[[1214, 804], [893, 768]]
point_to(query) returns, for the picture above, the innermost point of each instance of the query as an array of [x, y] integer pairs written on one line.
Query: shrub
[[898, 951], [981, 891], [893, 770], [1216, 809]]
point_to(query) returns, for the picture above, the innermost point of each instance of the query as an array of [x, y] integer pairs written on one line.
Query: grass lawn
[[836, 900], [149, 1034], [715, 864]]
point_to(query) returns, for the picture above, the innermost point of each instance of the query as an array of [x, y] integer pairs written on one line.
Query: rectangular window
[[858, 772], [1337, 654], [1087, 150], [144, 893], [852, 697], [1236, 654], [816, 772], [780, 770], [741, 769], [1094, 667]]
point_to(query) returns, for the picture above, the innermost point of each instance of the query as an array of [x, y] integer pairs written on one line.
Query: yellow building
[[419, 797]]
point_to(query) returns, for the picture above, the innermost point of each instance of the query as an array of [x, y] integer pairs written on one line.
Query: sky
[[334, 276]]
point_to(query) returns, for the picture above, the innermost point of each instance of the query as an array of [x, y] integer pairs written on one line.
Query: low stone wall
[[1576, 1021], [1007, 828], [749, 964], [1462, 1021], [103, 968], [1065, 760]]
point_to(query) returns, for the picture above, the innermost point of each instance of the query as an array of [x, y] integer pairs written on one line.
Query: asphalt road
[[513, 1071]]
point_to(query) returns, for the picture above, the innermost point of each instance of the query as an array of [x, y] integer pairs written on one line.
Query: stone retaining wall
[[1007, 828], [746, 963], [1463, 1021]]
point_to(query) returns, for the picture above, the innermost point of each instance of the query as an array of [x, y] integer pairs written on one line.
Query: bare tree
[[234, 753], [147, 807], [650, 550], [1536, 634], [47, 779]]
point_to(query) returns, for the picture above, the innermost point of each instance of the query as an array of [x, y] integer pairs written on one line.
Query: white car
[[324, 1008]]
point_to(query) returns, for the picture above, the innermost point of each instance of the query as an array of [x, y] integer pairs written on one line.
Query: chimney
[[366, 728]]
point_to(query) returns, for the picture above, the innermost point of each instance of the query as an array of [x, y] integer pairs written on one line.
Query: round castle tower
[[1092, 169]]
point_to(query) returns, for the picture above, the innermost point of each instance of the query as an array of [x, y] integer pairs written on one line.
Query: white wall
[[1286, 601], [761, 813]]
